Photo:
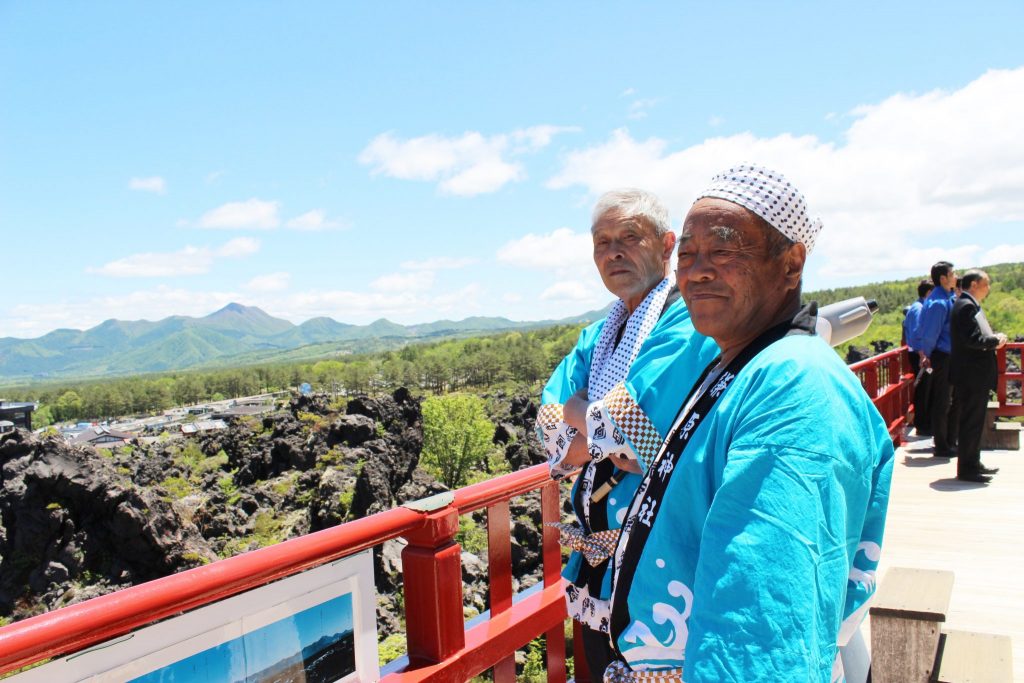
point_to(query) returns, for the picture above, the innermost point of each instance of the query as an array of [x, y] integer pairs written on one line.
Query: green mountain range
[[238, 335], [234, 335]]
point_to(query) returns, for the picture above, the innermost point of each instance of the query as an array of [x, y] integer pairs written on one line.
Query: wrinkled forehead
[[616, 219], [719, 219]]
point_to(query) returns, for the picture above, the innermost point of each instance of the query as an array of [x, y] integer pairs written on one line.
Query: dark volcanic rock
[[856, 354], [352, 430], [67, 515], [421, 485], [373, 492], [327, 505], [77, 523], [391, 460], [318, 404], [881, 345]]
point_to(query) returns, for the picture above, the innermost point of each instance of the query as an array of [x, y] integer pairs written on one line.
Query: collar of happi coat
[[610, 363]]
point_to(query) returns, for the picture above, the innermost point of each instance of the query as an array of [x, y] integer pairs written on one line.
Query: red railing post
[[1001, 382], [871, 379], [499, 571], [552, 576], [432, 573]]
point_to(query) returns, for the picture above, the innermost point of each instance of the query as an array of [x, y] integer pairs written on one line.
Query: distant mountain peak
[[238, 308]]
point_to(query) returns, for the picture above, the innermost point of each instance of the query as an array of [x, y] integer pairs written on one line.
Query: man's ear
[[668, 241], [796, 257]]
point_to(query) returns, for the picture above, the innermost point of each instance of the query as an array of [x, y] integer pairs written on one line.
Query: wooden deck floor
[[973, 530]]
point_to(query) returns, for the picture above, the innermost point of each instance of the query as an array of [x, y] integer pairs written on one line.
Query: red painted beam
[[490, 642], [479, 496]]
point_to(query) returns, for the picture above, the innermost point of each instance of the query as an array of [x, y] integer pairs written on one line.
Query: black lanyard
[[646, 505]]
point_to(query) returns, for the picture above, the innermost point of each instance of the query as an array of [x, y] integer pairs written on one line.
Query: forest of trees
[[513, 360]]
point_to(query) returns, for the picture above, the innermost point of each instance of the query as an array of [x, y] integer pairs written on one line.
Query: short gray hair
[[633, 202]]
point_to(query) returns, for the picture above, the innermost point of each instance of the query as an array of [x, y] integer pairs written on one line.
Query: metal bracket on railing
[[431, 503]]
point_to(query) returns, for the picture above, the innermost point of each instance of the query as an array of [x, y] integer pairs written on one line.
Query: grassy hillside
[[1004, 306]]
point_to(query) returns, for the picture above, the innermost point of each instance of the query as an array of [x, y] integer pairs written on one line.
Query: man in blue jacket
[[934, 347], [922, 385]]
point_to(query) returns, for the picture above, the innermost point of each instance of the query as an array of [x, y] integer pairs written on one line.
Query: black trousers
[[922, 389], [940, 397], [973, 402], [953, 435], [598, 648]]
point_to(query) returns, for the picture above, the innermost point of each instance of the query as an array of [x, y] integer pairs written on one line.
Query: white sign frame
[[227, 623]]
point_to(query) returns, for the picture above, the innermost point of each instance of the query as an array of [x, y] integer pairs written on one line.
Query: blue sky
[[420, 161]]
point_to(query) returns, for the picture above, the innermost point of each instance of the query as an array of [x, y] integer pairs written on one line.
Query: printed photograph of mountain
[[316, 645]]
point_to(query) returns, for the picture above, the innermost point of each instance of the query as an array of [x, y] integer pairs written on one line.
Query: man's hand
[[574, 411], [625, 464], [925, 361], [1002, 340], [577, 455]]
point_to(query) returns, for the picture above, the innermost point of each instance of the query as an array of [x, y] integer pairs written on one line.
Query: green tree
[[457, 437], [68, 406], [42, 417]]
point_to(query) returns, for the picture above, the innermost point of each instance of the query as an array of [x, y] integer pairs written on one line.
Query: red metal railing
[[889, 382], [1008, 375], [440, 646]]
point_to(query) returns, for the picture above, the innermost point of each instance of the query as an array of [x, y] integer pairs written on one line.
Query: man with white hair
[[648, 324], [750, 547]]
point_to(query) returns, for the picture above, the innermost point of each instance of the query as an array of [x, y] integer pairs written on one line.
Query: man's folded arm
[[618, 428]]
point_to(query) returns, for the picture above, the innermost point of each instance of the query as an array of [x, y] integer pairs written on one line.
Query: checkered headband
[[768, 194]]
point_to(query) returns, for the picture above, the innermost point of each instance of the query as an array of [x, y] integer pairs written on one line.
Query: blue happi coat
[[672, 342], [770, 530]]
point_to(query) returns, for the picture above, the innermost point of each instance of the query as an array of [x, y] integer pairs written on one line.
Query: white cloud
[[569, 291], [363, 307], [312, 221], [564, 256], [438, 263], [32, 320], [466, 165], [715, 121], [1004, 253], [562, 249], [906, 170], [536, 138], [272, 282], [238, 247], [417, 281], [214, 176], [154, 184], [639, 108], [251, 213], [187, 261]]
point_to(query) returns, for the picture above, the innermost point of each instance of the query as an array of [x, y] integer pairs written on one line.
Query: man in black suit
[[972, 372]]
